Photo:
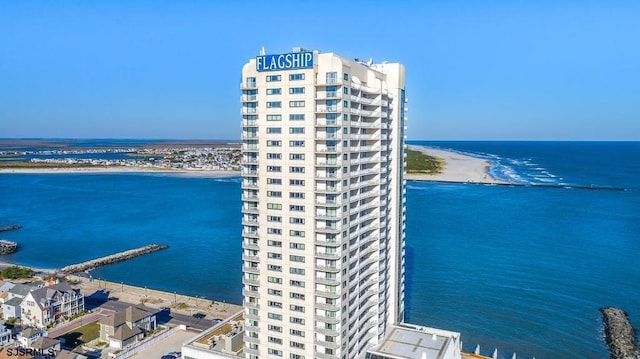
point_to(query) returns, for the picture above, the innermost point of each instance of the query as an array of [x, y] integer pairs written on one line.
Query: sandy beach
[[113, 169], [458, 168]]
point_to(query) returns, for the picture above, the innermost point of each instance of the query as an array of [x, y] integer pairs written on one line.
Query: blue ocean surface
[[520, 268]]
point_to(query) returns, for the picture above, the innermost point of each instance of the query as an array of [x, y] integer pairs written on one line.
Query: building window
[[295, 220], [274, 304], [275, 352], [274, 268], [296, 271], [296, 104], [345, 104], [275, 231], [274, 104], [274, 206], [274, 194], [273, 243], [294, 245], [345, 117], [275, 91], [296, 169], [272, 130], [345, 90], [296, 308], [296, 258], [296, 90], [273, 143], [345, 77], [274, 219], [296, 182], [296, 156], [274, 169], [332, 78], [296, 208], [274, 180], [276, 280], [296, 130], [277, 293], [295, 320], [274, 328], [294, 77], [296, 283], [293, 233], [274, 156], [274, 117], [274, 78], [296, 143], [296, 117]]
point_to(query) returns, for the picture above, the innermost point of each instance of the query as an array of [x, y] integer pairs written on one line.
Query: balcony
[[324, 122], [330, 345], [328, 189], [246, 172], [249, 123], [326, 175], [325, 255], [249, 110], [249, 147], [249, 135], [328, 95], [327, 202], [325, 319], [249, 98], [248, 160], [324, 109], [325, 268], [328, 82], [250, 209], [327, 149], [249, 184], [248, 85]]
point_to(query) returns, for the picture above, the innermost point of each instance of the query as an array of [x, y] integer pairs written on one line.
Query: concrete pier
[[113, 258], [619, 334], [7, 247]]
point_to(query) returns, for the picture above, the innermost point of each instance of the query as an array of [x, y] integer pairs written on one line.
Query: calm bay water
[[523, 269]]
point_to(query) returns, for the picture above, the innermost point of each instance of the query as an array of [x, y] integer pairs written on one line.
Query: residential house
[[127, 326], [48, 305], [45, 348], [28, 336], [5, 335], [13, 296]]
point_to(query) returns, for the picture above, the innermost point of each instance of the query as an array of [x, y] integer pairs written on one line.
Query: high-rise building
[[323, 206]]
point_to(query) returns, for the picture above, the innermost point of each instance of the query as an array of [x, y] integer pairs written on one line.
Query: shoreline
[[458, 168], [121, 170]]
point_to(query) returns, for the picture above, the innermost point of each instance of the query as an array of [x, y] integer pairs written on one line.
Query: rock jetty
[[10, 228], [620, 335], [113, 258]]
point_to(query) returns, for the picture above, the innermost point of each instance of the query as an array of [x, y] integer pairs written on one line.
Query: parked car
[[199, 315]]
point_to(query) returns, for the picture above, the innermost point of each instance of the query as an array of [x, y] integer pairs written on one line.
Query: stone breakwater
[[113, 258], [620, 335]]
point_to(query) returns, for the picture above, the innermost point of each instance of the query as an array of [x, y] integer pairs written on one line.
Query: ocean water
[[520, 268]]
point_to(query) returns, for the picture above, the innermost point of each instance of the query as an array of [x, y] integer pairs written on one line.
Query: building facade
[[323, 204], [49, 305]]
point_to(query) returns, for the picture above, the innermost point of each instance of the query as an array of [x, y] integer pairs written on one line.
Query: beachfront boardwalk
[[179, 303]]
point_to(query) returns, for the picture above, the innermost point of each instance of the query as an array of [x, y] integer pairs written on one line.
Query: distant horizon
[[240, 140]]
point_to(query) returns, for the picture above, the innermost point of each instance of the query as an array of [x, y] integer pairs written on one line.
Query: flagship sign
[[290, 61]]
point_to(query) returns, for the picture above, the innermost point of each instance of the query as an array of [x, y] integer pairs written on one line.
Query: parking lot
[[173, 343]]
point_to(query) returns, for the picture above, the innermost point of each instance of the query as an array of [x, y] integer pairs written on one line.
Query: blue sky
[[476, 70]]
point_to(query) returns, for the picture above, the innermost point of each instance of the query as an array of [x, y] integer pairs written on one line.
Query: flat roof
[[415, 342]]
